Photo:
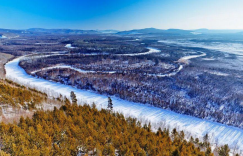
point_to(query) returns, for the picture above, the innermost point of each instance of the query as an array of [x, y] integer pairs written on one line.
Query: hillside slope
[[74, 130]]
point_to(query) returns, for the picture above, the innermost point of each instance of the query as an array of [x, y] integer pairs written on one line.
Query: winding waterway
[[197, 127]]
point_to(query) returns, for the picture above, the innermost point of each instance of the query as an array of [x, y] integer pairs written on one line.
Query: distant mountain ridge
[[62, 31], [56, 31], [127, 32], [154, 31]]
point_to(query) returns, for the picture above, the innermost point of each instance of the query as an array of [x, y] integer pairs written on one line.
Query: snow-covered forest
[[148, 79]]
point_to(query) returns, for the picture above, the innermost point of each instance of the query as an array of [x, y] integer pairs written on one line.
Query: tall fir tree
[[224, 150], [73, 97], [110, 104]]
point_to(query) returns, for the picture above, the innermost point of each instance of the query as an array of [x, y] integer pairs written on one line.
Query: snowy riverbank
[[150, 51], [222, 134]]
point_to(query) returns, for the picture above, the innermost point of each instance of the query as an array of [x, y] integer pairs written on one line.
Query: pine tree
[[66, 101], [182, 135], [176, 153], [73, 97], [149, 127], [191, 139], [76, 129], [224, 150], [208, 151], [159, 132], [206, 141], [110, 104], [174, 134]]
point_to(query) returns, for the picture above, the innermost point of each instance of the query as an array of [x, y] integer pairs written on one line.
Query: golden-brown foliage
[[14, 95], [73, 129]]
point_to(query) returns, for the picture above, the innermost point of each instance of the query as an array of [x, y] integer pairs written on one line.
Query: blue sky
[[121, 14]]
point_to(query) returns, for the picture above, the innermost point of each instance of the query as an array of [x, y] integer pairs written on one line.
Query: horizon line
[[115, 29]]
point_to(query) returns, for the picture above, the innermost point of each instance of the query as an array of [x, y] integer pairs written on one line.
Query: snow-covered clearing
[[208, 59], [186, 59], [221, 134], [69, 46], [169, 74], [151, 51], [217, 73], [46, 43], [196, 33], [228, 47], [70, 67], [3, 37]]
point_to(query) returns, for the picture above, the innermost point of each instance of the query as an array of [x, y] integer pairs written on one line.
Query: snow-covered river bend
[[183, 60], [222, 134]]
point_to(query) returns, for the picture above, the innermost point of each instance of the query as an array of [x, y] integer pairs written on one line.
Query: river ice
[[221, 133]]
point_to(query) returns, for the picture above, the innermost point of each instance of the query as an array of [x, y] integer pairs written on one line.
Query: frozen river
[[222, 134]]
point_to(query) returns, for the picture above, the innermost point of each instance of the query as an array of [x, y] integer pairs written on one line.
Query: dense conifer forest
[[73, 130], [85, 130], [19, 96]]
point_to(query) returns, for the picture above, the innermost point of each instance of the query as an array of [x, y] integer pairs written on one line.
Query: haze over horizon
[[121, 14]]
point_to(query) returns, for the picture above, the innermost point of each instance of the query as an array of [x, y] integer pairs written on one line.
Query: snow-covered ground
[[229, 47], [46, 43], [70, 67], [196, 33], [69, 46], [169, 74], [217, 73], [221, 133], [186, 59], [2, 36], [110, 72], [209, 59], [150, 51]]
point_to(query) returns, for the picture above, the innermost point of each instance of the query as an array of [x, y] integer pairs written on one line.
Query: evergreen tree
[[110, 104], [182, 135], [149, 127], [176, 153], [73, 97], [159, 131], [66, 101], [224, 150], [191, 139], [206, 141], [208, 151], [73, 130], [174, 134]]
